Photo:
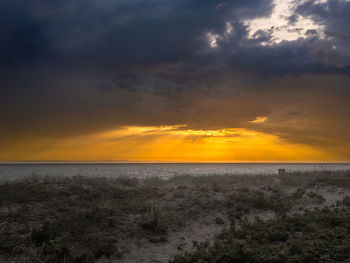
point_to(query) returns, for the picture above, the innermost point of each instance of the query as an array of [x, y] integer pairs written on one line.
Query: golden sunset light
[[172, 144], [175, 81]]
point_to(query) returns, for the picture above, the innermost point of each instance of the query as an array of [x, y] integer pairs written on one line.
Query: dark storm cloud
[[301, 57], [59, 59], [72, 67], [334, 15], [114, 32]]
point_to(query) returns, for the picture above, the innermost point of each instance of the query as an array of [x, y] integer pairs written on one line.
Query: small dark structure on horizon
[[281, 171]]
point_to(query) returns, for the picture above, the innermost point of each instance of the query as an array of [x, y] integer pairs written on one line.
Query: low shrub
[[155, 223], [319, 198], [245, 200], [316, 236]]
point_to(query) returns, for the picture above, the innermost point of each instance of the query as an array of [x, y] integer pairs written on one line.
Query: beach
[[124, 219]]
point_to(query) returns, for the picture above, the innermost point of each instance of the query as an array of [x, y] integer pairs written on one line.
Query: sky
[[175, 80]]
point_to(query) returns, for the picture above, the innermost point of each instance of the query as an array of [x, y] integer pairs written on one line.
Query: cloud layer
[[74, 68]]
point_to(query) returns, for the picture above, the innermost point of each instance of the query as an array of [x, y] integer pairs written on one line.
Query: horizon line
[[165, 162]]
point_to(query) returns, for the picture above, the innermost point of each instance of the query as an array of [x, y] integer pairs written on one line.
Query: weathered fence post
[[281, 171]]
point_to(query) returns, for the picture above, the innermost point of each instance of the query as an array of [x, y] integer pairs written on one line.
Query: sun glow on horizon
[[177, 143]]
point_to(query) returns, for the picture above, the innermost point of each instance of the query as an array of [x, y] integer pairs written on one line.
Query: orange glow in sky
[[169, 144]]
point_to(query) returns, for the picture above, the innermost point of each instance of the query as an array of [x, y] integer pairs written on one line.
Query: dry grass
[[83, 218], [293, 179]]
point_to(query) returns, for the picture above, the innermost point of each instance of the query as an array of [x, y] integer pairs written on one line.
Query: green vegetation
[[276, 218], [71, 220], [155, 222], [315, 236], [244, 200]]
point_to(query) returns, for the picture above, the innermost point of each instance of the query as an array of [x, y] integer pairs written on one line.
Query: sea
[[13, 171]]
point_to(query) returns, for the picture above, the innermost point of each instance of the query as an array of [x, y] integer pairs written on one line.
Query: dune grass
[[315, 236], [80, 219], [75, 219]]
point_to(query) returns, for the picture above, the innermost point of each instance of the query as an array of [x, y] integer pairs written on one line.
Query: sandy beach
[[51, 219]]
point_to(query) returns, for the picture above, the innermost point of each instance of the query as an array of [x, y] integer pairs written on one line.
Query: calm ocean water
[[15, 171]]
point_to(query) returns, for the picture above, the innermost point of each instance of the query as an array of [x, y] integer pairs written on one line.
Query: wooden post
[[281, 171]]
